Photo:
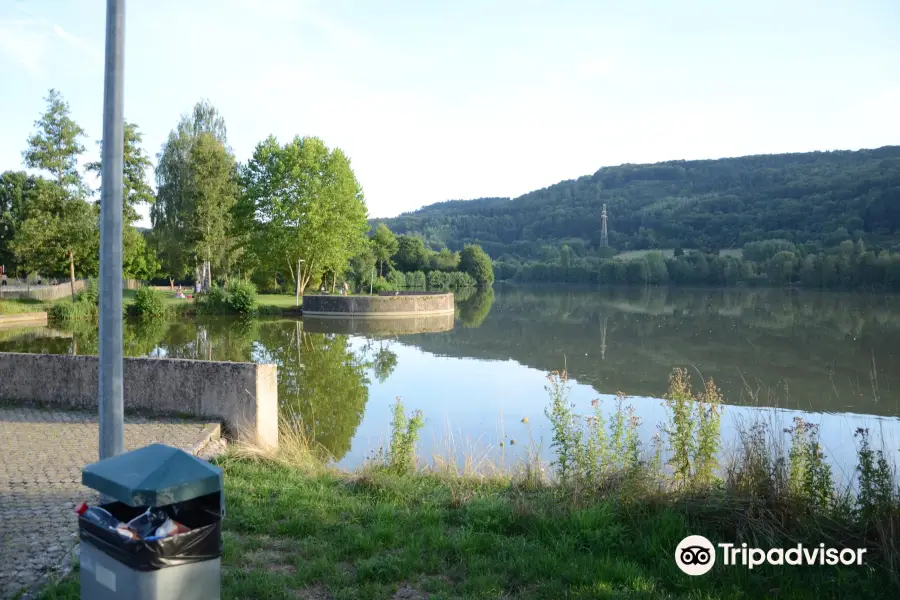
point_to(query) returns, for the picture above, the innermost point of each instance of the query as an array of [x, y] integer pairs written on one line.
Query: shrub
[[214, 301], [416, 280], [397, 279], [237, 296], [148, 303], [73, 311], [90, 293], [241, 296], [459, 280], [404, 435], [381, 285], [438, 280]]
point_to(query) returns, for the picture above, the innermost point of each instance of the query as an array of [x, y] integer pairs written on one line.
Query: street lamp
[[300, 261]]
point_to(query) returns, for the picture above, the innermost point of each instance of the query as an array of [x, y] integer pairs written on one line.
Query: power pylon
[[604, 237]]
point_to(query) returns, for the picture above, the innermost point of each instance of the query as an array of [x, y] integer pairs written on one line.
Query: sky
[[473, 98]]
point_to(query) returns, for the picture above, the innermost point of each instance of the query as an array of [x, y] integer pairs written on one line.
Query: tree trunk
[[381, 268], [333, 281], [72, 273], [171, 283]]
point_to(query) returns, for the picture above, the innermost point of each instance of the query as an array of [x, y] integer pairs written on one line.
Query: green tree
[[57, 229], [15, 189], [475, 261], [213, 191], [445, 260], [384, 245], [411, 254], [173, 213], [135, 163], [56, 145], [307, 205]]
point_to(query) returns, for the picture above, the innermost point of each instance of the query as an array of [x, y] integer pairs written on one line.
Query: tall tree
[[307, 206], [59, 225], [384, 245], [173, 213], [474, 261], [57, 229], [214, 192], [135, 163], [411, 254], [56, 145]]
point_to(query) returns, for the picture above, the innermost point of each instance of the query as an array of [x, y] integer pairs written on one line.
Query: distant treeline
[[771, 262], [815, 201]]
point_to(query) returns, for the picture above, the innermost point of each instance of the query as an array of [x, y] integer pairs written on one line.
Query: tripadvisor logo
[[696, 555]]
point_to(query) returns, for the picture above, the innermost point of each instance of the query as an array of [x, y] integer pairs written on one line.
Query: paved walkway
[[42, 453]]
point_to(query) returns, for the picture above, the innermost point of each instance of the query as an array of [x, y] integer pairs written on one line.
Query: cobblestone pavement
[[42, 453]]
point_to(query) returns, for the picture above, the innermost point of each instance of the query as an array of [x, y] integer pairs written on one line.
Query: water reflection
[[807, 351]]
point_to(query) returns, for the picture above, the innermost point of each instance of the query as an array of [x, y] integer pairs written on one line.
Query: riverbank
[[268, 304], [603, 520], [290, 534]]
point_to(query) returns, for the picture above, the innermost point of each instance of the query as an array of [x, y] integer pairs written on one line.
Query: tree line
[[815, 201], [294, 212], [770, 262]]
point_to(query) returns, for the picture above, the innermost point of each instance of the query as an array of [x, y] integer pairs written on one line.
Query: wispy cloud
[[23, 46], [78, 42], [306, 13]]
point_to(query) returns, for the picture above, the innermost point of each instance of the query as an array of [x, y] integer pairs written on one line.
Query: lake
[[775, 354]]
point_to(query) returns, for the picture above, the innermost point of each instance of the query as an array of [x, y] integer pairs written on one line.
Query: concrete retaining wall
[[243, 395], [419, 305]]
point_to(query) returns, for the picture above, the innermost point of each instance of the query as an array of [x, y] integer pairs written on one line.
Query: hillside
[[818, 199]]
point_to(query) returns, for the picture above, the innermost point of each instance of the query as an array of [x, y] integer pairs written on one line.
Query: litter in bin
[[102, 518], [170, 527], [146, 523], [152, 524]]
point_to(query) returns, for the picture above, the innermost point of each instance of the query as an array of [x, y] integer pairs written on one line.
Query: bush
[[73, 311], [238, 296], [241, 296], [397, 279], [214, 301], [415, 280], [438, 280], [90, 293], [459, 280], [148, 303], [381, 285]]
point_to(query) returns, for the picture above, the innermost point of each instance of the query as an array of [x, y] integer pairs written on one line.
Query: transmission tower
[[604, 237]]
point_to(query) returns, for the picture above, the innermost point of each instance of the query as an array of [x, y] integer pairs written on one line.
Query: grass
[[291, 534], [606, 524], [18, 306]]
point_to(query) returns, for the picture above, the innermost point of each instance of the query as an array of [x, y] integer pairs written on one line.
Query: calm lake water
[[832, 357]]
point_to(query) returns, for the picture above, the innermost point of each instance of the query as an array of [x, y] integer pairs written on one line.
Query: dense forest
[[828, 219]]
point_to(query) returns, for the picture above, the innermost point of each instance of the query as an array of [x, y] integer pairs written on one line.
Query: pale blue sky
[[442, 100]]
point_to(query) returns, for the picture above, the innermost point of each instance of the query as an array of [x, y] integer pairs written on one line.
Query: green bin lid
[[155, 475]]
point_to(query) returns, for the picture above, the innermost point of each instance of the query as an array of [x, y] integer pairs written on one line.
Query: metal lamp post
[[111, 386]]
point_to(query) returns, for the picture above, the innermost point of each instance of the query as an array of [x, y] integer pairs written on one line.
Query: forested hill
[[814, 198]]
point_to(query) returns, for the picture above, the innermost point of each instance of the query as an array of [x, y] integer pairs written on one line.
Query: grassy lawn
[[278, 300], [17, 306], [374, 535]]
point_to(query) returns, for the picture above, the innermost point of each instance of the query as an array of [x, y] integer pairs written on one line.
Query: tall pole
[[112, 428]]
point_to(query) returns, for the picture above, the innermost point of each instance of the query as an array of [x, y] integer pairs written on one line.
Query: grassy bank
[[602, 521]]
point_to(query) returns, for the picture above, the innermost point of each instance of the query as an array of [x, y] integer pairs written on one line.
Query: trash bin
[[185, 566]]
